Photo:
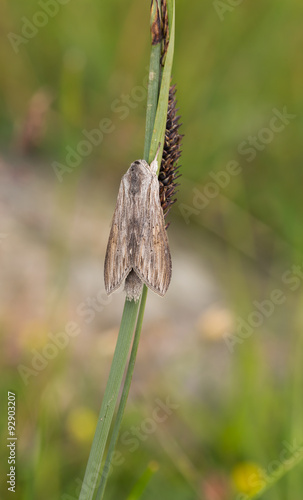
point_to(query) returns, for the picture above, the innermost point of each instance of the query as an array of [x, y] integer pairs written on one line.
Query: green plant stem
[[110, 398], [161, 115], [153, 82], [151, 109], [124, 397], [152, 97], [156, 113]]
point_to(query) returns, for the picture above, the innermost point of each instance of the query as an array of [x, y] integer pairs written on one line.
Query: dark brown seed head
[[165, 29], [155, 26], [169, 170]]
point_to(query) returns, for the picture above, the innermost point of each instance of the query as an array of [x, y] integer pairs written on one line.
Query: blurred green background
[[224, 347]]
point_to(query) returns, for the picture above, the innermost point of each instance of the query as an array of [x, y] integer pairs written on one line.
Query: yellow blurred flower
[[81, 424], [215, 322], [248, 478]]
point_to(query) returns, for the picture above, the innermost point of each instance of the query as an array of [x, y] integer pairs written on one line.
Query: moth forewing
[[152, 258], [138, 241], [117, 260]]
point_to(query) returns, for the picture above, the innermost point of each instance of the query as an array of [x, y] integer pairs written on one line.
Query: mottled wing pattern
[[117, 259], [152, 259], [138, 238]]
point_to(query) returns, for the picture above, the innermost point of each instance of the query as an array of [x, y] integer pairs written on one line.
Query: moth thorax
[[133, 286]]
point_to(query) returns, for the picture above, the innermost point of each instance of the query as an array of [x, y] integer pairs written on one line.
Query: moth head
[[138, 168], [143, 165], [139, 164]]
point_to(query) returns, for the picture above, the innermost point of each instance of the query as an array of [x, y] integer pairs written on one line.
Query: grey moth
[[138, 250]]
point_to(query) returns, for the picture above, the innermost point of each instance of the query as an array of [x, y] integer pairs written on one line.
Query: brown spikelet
[[156, 32], [165, 30], [169, 170]]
